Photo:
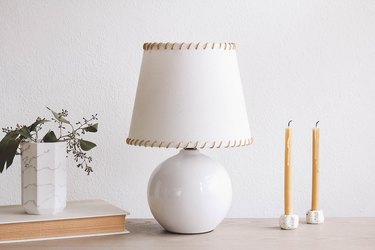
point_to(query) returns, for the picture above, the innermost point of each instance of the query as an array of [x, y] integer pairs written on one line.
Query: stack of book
[[79, 219]]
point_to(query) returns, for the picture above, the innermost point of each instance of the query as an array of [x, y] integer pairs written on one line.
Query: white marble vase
[[43, 177]]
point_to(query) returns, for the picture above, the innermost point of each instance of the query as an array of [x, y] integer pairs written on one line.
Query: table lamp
[[189, 97]]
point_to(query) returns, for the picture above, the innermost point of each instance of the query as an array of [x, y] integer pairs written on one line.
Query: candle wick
[[316, 124], [289, 123]]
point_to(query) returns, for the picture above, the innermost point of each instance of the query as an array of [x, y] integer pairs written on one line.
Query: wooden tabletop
[[336, 233]]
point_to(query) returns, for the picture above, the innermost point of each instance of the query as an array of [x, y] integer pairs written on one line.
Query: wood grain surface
[[336, 233]]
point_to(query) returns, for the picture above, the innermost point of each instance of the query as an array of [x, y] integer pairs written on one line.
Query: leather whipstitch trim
[[188, 46], [190, 144]]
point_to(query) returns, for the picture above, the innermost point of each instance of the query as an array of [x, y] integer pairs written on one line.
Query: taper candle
[[288, 175], [288, 220], [315, 167]]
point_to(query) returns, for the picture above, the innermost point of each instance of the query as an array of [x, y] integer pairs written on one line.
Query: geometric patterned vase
[[43, 177]]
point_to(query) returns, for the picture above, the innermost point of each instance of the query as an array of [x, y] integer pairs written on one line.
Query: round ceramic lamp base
[[189, 193]]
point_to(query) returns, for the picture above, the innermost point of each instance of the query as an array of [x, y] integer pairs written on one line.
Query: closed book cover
[[79, 219]]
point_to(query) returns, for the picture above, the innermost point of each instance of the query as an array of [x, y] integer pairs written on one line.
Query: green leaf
[[50, 137], [58, 116], [11, 151], [86, 145], [8, 149], [10, 136], [33, 126], [24, 131], [3, 155], [92, 128]]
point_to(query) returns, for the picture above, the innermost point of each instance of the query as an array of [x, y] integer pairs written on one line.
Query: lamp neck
[[190, 151]]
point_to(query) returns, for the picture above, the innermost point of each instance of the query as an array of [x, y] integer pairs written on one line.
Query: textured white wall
[[300, 60]]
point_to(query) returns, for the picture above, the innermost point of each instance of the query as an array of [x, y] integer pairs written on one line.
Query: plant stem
[[60, 125]]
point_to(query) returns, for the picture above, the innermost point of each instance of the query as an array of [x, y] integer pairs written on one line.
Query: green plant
[[72, 134]]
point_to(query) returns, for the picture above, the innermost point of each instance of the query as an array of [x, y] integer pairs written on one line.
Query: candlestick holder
[[289, 221], [315, 217]]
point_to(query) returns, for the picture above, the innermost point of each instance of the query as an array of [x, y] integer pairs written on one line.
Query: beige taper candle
[[288, 174], [315, 168]]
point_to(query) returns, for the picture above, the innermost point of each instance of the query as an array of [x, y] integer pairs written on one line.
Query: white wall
[[300, 60]]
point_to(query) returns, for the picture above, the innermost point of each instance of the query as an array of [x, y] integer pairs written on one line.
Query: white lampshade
[[189, 96]]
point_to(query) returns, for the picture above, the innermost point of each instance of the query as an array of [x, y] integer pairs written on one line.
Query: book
[[79, 219]]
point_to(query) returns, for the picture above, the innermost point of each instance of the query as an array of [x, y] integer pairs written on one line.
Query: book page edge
[[63, 237]]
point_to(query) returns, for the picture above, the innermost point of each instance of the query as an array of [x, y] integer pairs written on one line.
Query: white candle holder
[[315, 217], [289, 221]]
